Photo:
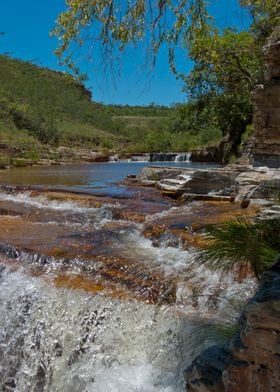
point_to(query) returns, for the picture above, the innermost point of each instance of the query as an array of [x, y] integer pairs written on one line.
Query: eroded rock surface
[[258, 183], [266, 150], [240, 181], [251, 361], [69, 155]]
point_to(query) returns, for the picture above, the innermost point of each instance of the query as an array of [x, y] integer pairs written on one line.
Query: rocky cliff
[[251, 360], [266, 148]]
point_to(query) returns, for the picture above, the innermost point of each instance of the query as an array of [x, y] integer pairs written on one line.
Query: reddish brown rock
[[266, 149]]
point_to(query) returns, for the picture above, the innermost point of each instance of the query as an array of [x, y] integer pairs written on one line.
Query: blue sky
[[27, 23]]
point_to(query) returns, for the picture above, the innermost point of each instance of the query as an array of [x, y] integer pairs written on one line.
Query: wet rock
[[203, 197], [245, 202], [162, 156], [167, 239], [187, 222], [9, 250], [169, 157], [251, 361], [205, 374]]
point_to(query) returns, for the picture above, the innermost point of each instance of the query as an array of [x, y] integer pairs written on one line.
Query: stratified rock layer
[[251, 361], [266, 149]]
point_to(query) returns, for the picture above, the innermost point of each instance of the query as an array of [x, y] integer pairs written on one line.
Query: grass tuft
[[241, 241]]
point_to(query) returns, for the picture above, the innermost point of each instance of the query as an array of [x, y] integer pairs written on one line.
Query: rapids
[[90, 300]]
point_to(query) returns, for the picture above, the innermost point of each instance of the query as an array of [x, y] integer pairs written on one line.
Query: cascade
[[89, 303], [169, 157], [183, 157]]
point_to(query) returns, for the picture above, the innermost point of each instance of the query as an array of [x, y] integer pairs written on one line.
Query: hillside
[[41, 109]]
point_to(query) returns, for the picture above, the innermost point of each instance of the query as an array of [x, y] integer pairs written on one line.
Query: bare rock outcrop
[[69, 155], [266, 148], [251, 360], [258, 183]]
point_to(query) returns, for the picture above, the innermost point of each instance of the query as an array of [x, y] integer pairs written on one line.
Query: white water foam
[[41, 201], [183, 157], [197, 287], [169, 259], [64, 340], [173, 211]]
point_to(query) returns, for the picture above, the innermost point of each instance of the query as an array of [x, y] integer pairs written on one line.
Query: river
[[90, 300]]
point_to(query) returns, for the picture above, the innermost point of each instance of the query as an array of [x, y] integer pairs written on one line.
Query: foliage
[[227, 64], [227, 67], [241, 241], [115, 26], [266, 16]]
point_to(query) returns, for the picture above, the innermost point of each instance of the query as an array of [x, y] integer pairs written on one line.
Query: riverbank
[[66, 155], [117, 263]]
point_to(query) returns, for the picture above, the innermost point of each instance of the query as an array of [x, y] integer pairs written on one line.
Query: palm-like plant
[[242, 241]]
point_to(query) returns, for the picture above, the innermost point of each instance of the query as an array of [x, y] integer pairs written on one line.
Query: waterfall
[[162, 156], [183, 157], [56, 337], [65, 340], [169, 157]]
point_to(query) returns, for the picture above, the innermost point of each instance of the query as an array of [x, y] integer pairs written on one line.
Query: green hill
[[41, 109]]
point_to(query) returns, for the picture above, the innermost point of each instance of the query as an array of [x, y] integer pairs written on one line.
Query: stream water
[[89, 301]]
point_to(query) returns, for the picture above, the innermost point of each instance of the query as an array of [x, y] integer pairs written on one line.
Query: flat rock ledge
[[250, 362], [232, 182]]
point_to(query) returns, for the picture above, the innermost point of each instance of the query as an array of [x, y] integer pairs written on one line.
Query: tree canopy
[[113, 25], [227, 64], [116, 24]]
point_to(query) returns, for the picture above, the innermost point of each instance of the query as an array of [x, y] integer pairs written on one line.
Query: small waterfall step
[[183, 157], [169, 157]]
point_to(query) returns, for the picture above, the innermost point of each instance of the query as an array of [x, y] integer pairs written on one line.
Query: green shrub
[[241, 241]]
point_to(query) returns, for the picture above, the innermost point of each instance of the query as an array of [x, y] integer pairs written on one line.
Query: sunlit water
[[54, 338], [101, 178]]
